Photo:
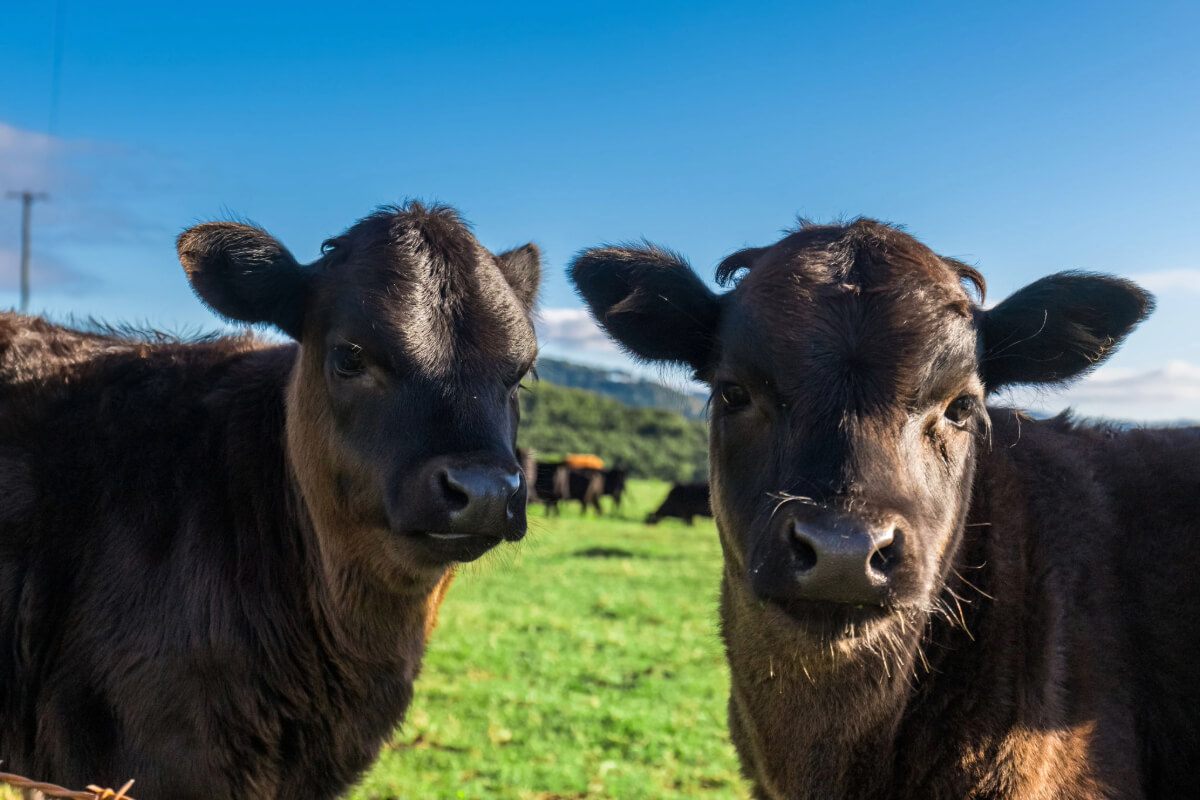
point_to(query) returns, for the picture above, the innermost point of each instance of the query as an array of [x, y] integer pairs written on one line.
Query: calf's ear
[[651, 302], [522, 268], [243, 273], [1059, 328]]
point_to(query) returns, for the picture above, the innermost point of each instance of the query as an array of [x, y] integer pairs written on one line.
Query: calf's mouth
[[826, 621], [450, 546]]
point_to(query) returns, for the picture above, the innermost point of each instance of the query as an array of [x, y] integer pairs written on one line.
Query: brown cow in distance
[[220, 559], [924, 597]]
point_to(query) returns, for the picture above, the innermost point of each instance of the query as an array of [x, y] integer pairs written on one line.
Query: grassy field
[[583, 664], [587, 664]]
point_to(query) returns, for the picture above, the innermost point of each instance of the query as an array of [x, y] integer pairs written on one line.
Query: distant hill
[[622, 387], [649, 442]]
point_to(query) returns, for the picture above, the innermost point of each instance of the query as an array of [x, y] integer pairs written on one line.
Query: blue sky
[[1024, 138]]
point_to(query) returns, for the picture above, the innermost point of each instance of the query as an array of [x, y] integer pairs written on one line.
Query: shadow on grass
[[607, 552], [620, 552]]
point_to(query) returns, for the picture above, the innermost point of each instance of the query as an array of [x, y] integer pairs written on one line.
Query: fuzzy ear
[[243, 273], [522, 268], [1059, 328], [651, 302]]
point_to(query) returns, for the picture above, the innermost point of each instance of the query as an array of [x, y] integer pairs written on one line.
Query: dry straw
[[50, 790]]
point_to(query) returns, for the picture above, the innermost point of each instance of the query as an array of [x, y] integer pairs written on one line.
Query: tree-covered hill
[[621, 386], [649, 442]]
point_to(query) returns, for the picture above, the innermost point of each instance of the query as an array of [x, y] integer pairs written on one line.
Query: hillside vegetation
[[649, 442], [621, 386]]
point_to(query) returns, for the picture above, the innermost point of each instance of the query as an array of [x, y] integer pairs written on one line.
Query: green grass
[[583, 663]]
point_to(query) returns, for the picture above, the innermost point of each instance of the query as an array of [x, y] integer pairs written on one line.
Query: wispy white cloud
[[27, 159], [46, 271], [1167, 393], [572, 335], [572, 330], [91, 186], [16, 140], [1176, 382], [96, 209], [1168, 280]]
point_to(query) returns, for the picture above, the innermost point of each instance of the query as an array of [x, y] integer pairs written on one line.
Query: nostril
[[884, 558], [517, 500], [881, 559], [806, 556], [454, 493]]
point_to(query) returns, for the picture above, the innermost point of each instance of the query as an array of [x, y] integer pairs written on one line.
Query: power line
[[27, 198], [60, 13]]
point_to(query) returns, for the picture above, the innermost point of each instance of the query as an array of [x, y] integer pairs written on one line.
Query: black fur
[[214, 573], [522, 268], [650, 301], [1059, 328], [245, 275], [1021, 620]]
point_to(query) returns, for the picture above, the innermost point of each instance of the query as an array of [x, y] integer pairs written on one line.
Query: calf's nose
[[481, 499], [843, 561]]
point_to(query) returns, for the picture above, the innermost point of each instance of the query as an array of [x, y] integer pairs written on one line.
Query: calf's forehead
[[435, 302], [854, 327]]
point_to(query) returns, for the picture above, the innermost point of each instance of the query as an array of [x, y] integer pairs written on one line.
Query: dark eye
[[961, 409], [733, 395], [520, 380], [348, 360]]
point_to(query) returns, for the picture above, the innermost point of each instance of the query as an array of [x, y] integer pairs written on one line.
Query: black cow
[[556, 481], [220, 559], [924, 597], [614, 485], [544, 488], [685, 501]]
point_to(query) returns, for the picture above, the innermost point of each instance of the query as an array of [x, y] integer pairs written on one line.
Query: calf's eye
[[733, 395], [961, 409], [348, 361]]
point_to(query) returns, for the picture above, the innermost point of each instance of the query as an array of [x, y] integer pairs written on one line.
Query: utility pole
[[27, 197]]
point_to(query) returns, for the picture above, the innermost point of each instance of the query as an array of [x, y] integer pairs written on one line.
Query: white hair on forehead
[[442, 294], [428, 334]]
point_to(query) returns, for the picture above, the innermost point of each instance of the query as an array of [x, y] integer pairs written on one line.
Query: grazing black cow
[[220, 559], [548, 479], [924, 597], [685, 501], [614, 485], [557, 481], [586, 485]]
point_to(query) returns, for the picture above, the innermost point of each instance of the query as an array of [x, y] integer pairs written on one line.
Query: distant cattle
[[924, 597], [685, 501], [557, 481], [549, 484], [614, 485], [220, 559]]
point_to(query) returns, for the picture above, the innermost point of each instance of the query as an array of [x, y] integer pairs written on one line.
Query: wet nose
[[843, 561], [481, 500], [480, 495]]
